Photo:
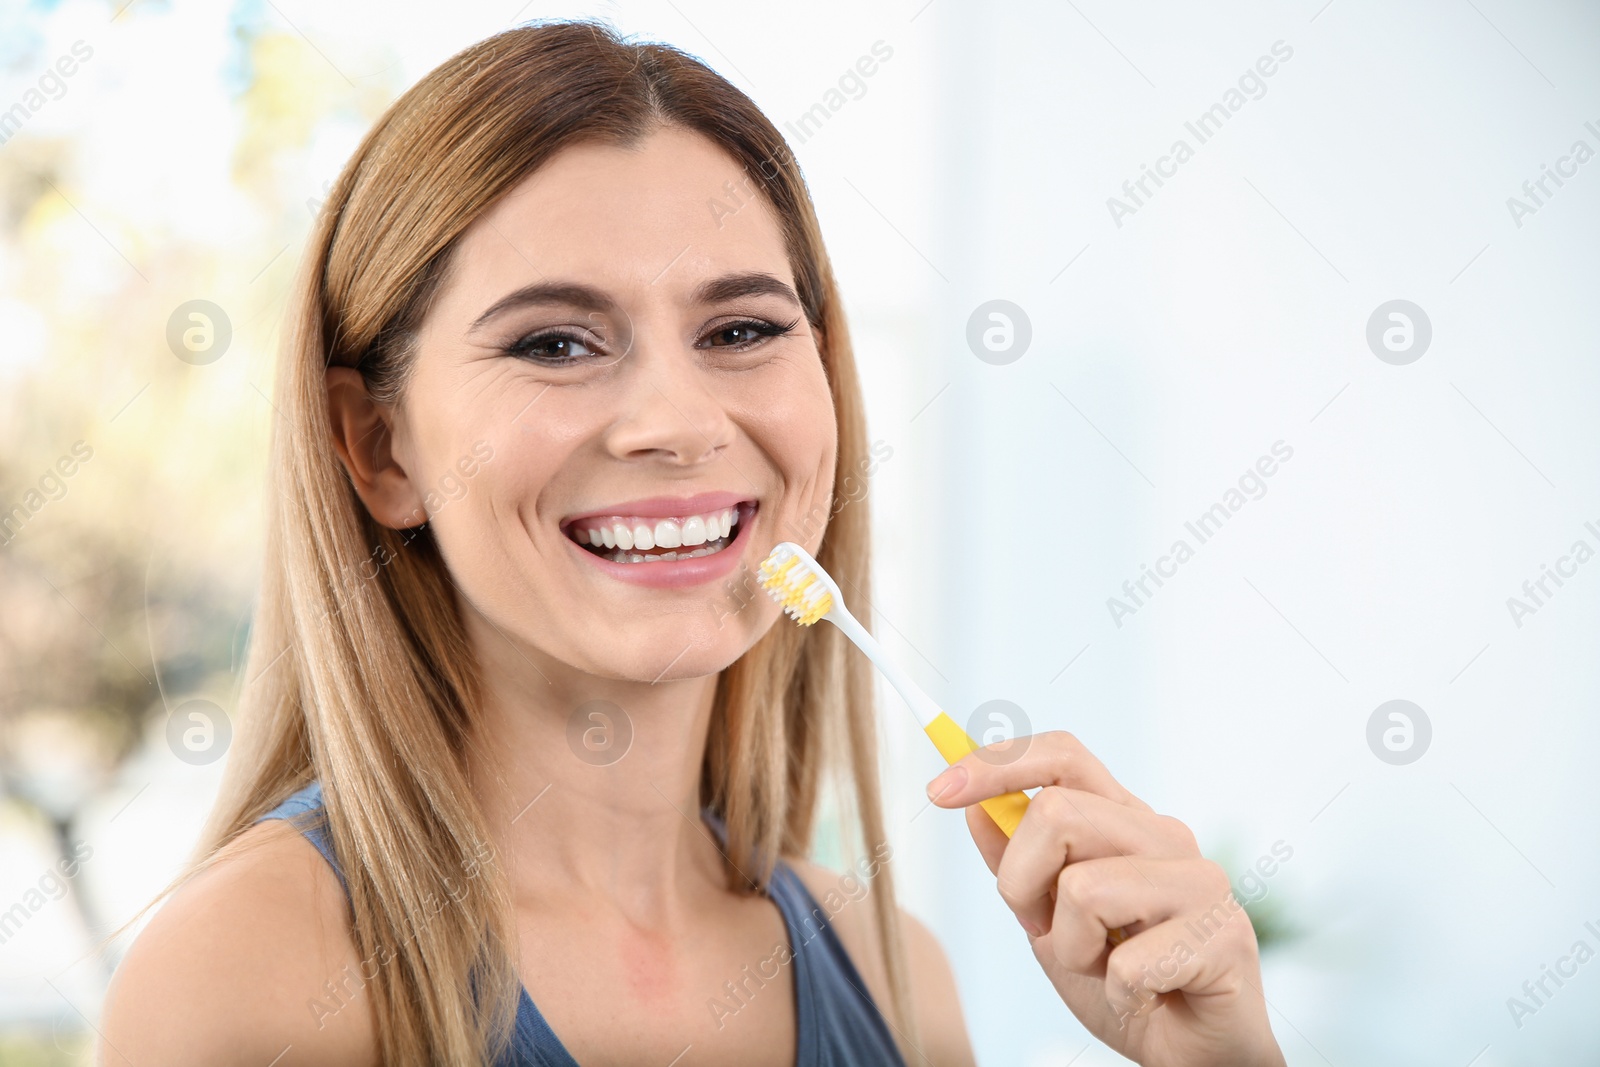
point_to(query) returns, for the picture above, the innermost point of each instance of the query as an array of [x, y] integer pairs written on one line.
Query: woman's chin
[[684, 652]]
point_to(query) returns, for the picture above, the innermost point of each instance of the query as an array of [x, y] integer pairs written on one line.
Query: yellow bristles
[[791, 583]]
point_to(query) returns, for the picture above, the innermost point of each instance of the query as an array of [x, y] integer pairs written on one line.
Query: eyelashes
[[760, 327], [563, 347]]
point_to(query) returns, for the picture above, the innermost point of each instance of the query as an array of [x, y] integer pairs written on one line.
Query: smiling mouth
[[637, 539]]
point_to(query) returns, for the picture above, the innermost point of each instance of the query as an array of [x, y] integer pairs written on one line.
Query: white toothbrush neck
[[922, 705]]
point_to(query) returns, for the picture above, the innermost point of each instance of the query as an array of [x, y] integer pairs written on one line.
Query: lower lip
[[677, 573]]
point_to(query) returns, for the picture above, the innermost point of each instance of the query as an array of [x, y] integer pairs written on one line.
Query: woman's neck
[[590, 786]]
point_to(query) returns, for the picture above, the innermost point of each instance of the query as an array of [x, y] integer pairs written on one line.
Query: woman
[[527, 768]]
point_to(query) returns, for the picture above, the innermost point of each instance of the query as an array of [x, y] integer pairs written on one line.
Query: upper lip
[[664, 507]]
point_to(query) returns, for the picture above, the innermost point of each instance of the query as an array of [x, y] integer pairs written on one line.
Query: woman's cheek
[[803, 418], [482, 479], [801, 436]]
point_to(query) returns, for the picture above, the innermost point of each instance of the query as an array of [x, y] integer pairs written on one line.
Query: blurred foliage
[[1269, 913], [1269, 916], [138, 577], [128, 585], [42, 1049]]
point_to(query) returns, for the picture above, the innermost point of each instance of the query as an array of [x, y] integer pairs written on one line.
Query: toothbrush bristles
[[791, 583]]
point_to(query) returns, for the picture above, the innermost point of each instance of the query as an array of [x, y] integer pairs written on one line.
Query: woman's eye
[[732, 336], [745, 334], [555, 348]]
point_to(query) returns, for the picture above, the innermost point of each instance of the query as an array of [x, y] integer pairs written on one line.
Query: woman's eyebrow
[[745, 283], [564, 294], [573, 294]]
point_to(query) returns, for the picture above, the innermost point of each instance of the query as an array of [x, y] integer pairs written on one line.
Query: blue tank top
[[837, 1022]]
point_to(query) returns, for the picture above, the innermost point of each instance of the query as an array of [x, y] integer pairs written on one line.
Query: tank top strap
[[837, 1021], [532, 1043], [304, 811]]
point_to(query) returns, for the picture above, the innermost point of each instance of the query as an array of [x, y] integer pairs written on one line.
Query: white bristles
[[797, 582], [808, 594]]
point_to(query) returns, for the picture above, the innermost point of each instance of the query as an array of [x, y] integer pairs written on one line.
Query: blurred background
[[1287, 305]]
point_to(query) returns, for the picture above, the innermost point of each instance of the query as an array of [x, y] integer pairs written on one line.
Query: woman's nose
[[674, 413]]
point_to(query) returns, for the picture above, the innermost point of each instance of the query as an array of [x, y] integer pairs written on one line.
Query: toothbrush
[[798, 582], [795, 580]]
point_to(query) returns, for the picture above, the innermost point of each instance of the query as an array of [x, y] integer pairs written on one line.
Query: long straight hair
[[360, 674]]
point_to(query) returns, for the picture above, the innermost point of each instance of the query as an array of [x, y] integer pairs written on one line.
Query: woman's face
[[619, 351]]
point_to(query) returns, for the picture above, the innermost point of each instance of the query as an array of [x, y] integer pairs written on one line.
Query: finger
[[1173, 955], [1052, 758], [1097, 896], [990, 839], [1064, 826]]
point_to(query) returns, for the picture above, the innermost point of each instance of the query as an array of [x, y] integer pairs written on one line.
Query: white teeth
[[620, 556], [621, 543]]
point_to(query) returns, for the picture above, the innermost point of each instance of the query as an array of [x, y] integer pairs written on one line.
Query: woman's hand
[[1089, 857]]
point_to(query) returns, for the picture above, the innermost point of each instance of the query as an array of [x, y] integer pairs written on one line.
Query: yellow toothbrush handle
[[1006, 810], [953, 742]]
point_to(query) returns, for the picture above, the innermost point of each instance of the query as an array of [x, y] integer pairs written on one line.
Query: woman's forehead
[[673, 207]]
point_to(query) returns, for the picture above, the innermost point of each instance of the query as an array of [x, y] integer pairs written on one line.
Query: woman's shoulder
[[934, 997], [252, 956]]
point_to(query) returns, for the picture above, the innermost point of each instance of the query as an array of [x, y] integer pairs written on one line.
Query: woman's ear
[[364, 437]]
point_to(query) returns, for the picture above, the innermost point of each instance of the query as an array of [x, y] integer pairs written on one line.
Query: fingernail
[[948, 783], [1033, 931]]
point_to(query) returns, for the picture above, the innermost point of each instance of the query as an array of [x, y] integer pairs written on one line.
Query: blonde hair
[[361, 676]]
